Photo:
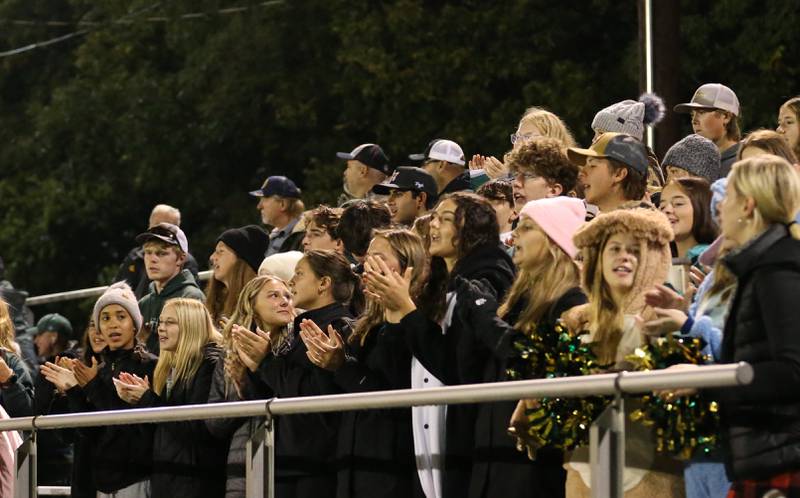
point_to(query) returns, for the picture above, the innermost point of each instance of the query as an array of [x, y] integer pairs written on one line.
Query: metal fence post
[[260, 461], [607, 449], [26, 478]]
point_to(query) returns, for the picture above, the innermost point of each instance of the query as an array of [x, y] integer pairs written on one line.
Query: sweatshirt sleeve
[[426, 342], [17, 396], [392, 367]]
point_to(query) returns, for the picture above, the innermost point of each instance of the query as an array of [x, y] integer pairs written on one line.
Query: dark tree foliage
[[149, 107]]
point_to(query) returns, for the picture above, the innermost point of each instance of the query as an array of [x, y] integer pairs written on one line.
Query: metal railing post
[[260, 460], [607, 449], [26, 478]]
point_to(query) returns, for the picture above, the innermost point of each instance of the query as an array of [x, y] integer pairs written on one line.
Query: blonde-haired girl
[[16, 386], [187, 460]]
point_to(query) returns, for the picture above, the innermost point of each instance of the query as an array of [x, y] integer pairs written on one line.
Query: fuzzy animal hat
[[648, 226]]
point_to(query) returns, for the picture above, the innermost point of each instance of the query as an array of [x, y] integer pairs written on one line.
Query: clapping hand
[[324, 351], [252, 347], [61, 377], [130, 387], [83, 373], [389, 288]]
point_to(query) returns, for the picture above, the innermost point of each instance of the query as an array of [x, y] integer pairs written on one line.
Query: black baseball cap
[[370, 154], [277, 185], [409, 178]]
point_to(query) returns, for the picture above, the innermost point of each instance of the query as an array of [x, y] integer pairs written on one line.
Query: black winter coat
[[498, 468], [761, 421], [375, 454], [305, 445], [459, 357], [187, 460], [123, 454], [17, 396]]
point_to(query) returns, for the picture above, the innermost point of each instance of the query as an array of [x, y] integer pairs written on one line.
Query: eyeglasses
[[516, 137]]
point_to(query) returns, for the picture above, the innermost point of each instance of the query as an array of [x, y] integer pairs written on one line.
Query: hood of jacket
[[183, 279]]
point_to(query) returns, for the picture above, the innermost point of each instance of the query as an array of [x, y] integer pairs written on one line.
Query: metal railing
[[607, 434], [57, 297]]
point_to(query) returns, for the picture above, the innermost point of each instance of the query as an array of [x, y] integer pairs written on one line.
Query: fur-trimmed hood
[[651, 227]]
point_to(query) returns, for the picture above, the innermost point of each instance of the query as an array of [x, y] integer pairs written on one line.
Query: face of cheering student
[[273, 304], [597, 178], [307, 288], [710, 123], [788, 126], [733, 220], [380, 248], [95, 339], [317, 237], [530, 243], [117, 327], [222, 261], [678, 208], [620, 262], [169, 329], [443, 230]]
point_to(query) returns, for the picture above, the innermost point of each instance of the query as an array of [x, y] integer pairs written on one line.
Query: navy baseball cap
[[277, 185], [370, 154]]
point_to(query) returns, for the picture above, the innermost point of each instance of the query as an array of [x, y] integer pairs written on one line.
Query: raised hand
[[666, 321], [252, 347], [662, 296], [324, 351], [131, 388], [494, 167], [83, 373], [59, 376], [389, 288]]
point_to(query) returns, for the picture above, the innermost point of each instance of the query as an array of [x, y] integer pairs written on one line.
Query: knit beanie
[[280, 265], [630, 116], [119, 293], [717, 195], [250, 243], [559, 217], [697, 155], [654, 232]]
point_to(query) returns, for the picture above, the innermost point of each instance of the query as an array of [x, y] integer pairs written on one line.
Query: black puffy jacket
[[761, 421], [123, 454], [187, 460]]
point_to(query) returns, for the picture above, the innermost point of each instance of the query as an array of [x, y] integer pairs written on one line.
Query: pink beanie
[[559, 217]]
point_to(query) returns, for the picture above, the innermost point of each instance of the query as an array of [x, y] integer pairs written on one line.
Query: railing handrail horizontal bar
[[603, 384], [84, 293]]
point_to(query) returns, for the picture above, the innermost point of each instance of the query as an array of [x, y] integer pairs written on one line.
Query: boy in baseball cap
[[715, 113], [411, 192], [165, 248], [367, 166], [613, 170], [444, 161]]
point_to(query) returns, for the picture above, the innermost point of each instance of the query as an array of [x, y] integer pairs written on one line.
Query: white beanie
[[280, 265], [119, 293], [630, 116]]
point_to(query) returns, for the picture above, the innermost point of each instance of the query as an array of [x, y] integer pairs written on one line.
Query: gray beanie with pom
[[695, 154], [119, 293], [630, 116]]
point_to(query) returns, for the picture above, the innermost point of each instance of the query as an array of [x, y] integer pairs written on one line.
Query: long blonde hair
[[244, 315], [196, 331], [542, 285], [773, 184], [409, 250], [7, 332], [221, 299], [548, 124]]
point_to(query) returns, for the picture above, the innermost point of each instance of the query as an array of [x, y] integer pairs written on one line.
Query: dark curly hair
[[547, 158], [326, 218], [358, 220], [476, 226], [497, 190]]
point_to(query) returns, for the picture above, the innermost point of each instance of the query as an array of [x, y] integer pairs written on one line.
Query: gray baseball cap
[[712, 96]]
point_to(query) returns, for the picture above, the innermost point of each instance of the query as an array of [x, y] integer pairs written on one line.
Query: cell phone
[[678, 276]]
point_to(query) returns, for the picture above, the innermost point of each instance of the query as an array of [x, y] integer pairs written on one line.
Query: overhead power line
[[131, 18]]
